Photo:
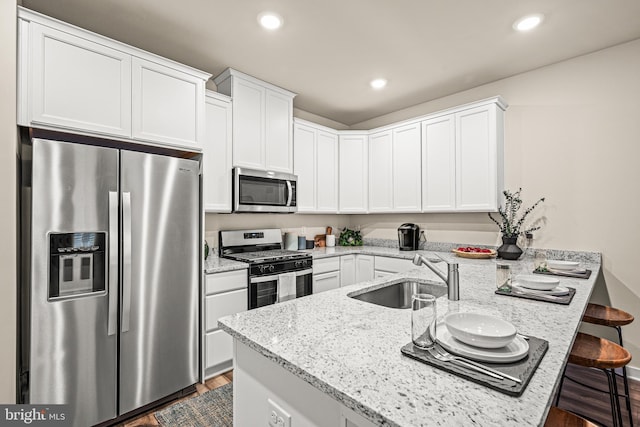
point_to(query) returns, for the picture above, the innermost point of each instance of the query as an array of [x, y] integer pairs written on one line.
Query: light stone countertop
[[214, 264], [350, 349]]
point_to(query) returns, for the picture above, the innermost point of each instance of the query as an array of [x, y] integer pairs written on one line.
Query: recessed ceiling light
[[270, 20], [528, 22], [378, 83]]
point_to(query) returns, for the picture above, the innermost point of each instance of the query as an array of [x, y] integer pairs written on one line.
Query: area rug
[[213, 408]]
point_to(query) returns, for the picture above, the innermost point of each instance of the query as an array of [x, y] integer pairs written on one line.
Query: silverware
[[540, 296], [439, 353]]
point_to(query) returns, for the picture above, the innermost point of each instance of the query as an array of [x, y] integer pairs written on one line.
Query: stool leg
[[625, 379], [616, 394], [612, 396], [564, 371]]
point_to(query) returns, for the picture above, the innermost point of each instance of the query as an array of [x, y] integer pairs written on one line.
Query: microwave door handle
[[112, 323], [290, 192]]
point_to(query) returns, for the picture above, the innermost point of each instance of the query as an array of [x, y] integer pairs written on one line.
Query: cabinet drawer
[[326, 282], [221, 305], [325, 265], [393, 265], [227, 281], [219, 348]]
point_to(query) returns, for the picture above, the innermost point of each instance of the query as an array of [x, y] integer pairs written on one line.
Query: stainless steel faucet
[[452, 279]]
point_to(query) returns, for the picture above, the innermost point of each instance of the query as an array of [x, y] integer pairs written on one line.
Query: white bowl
[[537, 282], [562, 265], [480, 330]]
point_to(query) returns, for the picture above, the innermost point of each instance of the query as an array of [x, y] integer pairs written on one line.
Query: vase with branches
[[511, 225]]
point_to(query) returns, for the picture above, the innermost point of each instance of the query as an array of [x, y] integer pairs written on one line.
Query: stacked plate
[[539, 285], [481, 337], [564, 266]]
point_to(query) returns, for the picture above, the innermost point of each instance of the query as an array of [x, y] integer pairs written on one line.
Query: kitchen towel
[[286, 286], [290, 241]]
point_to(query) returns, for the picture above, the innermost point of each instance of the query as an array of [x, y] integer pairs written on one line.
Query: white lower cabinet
[[347, 270], [226, 294], [326, 274], [385, 266], [364, 268]]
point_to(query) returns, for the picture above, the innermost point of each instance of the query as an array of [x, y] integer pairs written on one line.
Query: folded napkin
[[286, 286]]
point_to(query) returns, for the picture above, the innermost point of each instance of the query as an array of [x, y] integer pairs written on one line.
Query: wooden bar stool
[[560, 418], [595, 352], [613, 318]]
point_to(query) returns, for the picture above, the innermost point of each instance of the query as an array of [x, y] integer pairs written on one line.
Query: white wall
[[572, 134], [8, 137]]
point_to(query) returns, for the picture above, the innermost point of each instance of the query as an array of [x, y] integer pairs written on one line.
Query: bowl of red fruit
[[473, 252]]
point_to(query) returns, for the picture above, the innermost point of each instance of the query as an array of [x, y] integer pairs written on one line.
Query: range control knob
[[271, 268]]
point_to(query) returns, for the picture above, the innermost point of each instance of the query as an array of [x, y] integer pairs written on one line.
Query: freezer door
[[159, 343], [72, 357]]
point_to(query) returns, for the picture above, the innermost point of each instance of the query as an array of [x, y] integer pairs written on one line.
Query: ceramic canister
[[290, 241]]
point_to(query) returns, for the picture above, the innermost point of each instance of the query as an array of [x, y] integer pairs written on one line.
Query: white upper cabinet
[[216, 150], [353, 172], [406, 169], [168, 105], [381, 172], [479, 158], [462, 160], [439, 164], [73, 80], [262, 122], [316, 165]]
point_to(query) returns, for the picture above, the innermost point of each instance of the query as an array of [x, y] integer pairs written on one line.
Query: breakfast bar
[[329, 359]]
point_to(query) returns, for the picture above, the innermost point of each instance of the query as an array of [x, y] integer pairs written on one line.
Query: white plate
[[512, 352], [480, 330], [535, 281], [562, 265], [560, 290]]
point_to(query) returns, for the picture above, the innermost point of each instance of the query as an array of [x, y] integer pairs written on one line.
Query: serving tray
[[475, 255]]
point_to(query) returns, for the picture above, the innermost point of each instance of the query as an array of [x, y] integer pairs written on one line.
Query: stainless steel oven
[[266, 290], [264, 191]]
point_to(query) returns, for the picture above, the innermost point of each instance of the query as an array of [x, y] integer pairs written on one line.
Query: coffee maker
[[408, 237]]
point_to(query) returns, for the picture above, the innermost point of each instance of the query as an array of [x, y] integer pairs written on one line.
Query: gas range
[[275, 274]]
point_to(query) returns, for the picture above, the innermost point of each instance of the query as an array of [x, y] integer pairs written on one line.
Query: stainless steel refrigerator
[[110, 277]]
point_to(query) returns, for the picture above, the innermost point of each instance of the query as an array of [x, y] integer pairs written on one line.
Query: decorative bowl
[[480, 330]]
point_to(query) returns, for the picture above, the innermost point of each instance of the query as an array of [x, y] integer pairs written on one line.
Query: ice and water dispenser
[[77, 264]]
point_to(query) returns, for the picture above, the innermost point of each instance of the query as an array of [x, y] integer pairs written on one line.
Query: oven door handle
[[303, 272], [262, 279]]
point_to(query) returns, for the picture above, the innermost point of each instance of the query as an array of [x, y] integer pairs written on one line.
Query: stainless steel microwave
[[264, 191]]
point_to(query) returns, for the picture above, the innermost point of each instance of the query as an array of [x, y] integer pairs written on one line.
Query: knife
[[477, 365]]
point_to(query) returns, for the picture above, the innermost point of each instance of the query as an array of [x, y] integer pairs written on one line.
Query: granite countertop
[[350, 349], [214, 264]]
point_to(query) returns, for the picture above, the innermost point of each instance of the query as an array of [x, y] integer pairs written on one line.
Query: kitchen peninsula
[[328, 359]]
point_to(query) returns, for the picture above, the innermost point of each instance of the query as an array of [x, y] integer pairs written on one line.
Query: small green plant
[[509, 223], [350, 238]]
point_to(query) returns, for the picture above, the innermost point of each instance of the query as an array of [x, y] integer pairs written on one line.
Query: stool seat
[[596, 352], [607, 316], [560, 418]]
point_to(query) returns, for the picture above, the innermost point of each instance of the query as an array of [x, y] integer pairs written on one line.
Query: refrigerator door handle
[[126, 260], [112, 324]]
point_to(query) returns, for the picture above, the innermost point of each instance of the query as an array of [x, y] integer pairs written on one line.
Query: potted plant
[[511, 226]]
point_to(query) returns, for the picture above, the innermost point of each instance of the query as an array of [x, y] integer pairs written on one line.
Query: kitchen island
[[328, 359]]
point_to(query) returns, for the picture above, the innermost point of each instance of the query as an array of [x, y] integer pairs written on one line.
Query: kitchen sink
[[398, 295]]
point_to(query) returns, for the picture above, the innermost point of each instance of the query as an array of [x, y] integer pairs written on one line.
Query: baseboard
[[633, 373]]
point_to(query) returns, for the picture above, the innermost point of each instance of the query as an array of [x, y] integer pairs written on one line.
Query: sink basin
[[398, 295]]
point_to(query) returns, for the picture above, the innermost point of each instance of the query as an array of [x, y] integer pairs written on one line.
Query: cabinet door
[[78, 84], [248, 124], [407, 173], [439, 164], [304, 166], [216, 161], [347, 270], [326, 281], [353, 173], [224, 304], [380, 274], [168, 105], [364, 268], [326, 172], [219, 349], [476, 154], [277, 140], [381, 172]]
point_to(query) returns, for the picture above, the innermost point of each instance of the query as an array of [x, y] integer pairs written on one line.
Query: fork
[[440, 354]]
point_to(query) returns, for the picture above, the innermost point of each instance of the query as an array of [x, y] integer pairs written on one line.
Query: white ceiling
[[328, 50]]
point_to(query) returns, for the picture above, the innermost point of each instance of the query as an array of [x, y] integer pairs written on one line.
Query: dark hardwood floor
[[574, 397], [580, 400]]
